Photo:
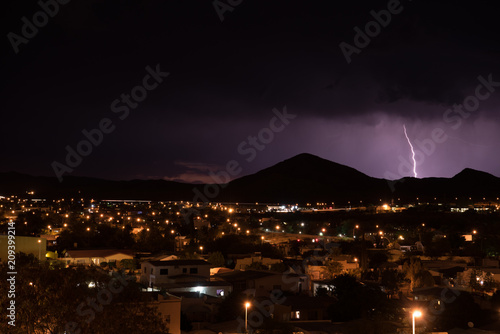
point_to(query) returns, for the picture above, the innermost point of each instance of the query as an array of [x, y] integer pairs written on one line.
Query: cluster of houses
[[196, 288]]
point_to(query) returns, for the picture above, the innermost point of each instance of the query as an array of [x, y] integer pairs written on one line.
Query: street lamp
[[39, 249], [247, 305], [415, 314], [354, 231]]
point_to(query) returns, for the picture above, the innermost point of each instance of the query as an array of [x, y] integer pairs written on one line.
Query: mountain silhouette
[[304, 178]]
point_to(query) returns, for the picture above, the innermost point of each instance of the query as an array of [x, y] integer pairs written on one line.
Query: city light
[[415, 314], [247, 305]]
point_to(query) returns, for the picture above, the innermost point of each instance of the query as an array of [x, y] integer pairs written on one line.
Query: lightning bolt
[[413, 153]]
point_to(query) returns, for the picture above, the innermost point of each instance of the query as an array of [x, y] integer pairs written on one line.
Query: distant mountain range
[[300, 179]]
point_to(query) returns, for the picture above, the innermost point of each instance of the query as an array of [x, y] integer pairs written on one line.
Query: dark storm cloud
[[226, 77]]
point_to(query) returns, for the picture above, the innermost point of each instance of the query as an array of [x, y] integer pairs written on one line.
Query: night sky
[[228, 79]]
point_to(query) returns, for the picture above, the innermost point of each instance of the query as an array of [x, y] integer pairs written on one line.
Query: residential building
[[242, 263], [158, 272], [28, 245], [97, 256]]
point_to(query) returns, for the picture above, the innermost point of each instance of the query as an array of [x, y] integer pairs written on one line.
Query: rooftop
[[185, 262], [97, 253]]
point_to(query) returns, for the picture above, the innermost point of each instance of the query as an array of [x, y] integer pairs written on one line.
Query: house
[[318, 272], [214, 287], [486, 276], [97, 256], [169, 307], [165, 257], [303, 308], [181, 242], [27, 245], [158, 272], [199, 307], [435, 294], [324, 284], [261, 283], [182, 276], [241, 264]]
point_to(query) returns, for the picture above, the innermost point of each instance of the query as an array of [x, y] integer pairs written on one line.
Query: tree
[[48, 299], [412, 269], [322, 292], [257, 265], [459, 313], [344, 285], [186, 324], [390, 279], [231, 307], [438, 247], [377, 259], [279, 267], [495, 299], [128, 264], [331, 269], [425, 279], [356, 300], [216, 259], [481, 281]]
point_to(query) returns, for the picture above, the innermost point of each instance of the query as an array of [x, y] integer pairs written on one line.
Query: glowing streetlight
[[247, 305], [354, 231], [201, 249], [39, 249], [415, 314]]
